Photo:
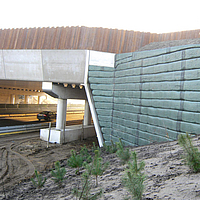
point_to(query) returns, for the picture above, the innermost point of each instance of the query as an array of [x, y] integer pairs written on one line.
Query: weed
[[122, 153], [134, 178], [58, 174], [192, 156], [40, 181]]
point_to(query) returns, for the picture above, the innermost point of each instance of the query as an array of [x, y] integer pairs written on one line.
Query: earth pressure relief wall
[[150, 96]]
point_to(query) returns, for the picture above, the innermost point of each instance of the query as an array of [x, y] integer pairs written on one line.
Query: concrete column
[[61, 114], [10, 99], [87, 114], [38, 100], [13, 99], [26, 99]]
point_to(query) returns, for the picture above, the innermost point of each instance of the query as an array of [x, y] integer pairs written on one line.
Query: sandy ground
[[167, 176]]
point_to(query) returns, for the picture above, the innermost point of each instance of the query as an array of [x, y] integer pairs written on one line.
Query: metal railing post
[[49, 134]]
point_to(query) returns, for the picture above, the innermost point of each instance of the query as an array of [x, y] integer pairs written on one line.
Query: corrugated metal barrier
[[99, 39]]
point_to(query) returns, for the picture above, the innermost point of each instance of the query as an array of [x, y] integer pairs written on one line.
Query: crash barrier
[[35, 108], [26, 108], [150, 96], [28, 127]]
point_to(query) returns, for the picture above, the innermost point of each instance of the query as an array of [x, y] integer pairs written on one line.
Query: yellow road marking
[[11, 133]]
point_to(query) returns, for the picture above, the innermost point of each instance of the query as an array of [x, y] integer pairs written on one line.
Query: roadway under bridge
[[63, 74]]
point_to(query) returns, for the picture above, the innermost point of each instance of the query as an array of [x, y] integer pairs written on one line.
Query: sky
[[155, 16]]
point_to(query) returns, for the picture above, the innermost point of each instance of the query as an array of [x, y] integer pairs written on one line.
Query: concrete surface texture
[[43, 65]]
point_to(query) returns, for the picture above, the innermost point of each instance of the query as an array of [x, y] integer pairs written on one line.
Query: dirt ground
[[167, 176]]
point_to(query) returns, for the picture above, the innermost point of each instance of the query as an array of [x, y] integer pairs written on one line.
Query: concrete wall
[[150, 96]]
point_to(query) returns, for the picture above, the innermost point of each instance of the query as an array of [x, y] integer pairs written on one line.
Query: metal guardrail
[[9, 129]]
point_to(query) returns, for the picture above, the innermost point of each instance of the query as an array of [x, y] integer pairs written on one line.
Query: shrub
[[122, 153], [95, 148], [75, 161], [85, 154], [58, 174], [134, 178], [84, 192], [40, 181], [97, 167], [110, 148], [192, 156]]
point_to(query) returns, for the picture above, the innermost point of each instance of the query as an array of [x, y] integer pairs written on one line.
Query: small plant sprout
[[122, 153], [58, 174], [192, 156], [40, 181], [134, 178]]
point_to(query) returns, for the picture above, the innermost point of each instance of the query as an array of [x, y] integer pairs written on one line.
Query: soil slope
[[167, 176]]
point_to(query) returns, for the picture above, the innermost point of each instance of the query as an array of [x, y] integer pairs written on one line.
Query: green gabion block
[[171, 95], [103, 105], [99, 92], [192, 74], [192, 53], [106, 137], [105, 112], [103, 99], [126, 108], [122, 56], [192, 64], [191, 117], [106, 131], [104, 118], [127, 79], [127, 94], [126, 86], [192, 106], [102, 74], [190, 128], [105, 124], [99, 68], [146, 54], [102, 87], [192, 85], [95, 80], [168, 76]]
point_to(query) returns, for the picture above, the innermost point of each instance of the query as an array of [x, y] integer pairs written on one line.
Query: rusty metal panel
[[99, 39]]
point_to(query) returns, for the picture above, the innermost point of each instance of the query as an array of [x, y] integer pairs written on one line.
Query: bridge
[[140, 97], [62, 74]]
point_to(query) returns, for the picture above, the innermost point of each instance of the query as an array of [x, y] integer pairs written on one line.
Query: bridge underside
[[62, 74]]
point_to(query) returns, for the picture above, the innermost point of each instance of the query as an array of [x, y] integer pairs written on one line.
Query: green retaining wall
[[150, 96]]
